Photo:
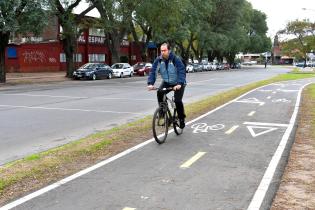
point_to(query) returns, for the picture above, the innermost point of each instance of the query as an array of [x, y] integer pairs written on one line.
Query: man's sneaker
[[182, 123]]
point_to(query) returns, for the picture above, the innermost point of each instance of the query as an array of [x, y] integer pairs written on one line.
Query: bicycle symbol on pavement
[[281, 100], [204, 128]]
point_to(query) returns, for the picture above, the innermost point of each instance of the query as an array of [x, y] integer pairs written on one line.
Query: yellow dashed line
[[189, 162], [231, 130], [251, 113]]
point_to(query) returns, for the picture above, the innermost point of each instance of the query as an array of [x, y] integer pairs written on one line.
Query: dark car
[[93, 71], [142, 68]]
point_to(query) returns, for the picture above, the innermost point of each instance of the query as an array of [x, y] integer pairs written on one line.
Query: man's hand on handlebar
[[151, 87], [177, 87]]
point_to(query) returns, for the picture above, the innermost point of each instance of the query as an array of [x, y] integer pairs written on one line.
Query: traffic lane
[[61, 126]]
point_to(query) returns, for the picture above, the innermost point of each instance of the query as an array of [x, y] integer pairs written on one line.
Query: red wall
[[45, 57], [35, 58]]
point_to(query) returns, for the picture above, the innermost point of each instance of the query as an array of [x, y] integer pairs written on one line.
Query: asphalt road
[[225, 159], [35, 118]]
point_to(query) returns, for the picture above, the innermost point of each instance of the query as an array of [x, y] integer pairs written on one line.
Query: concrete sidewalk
[[38, 77]]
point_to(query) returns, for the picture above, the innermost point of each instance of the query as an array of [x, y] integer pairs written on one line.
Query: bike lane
[[223, 160]]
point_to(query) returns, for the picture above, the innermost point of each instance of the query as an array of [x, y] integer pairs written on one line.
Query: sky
[[280, 12]]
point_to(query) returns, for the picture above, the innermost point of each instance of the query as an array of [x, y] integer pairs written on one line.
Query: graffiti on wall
[[34, 56], [37, 56]]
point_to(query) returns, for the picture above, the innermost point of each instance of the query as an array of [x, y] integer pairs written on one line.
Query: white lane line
[[128, 208], [263, 187], [109, 160], [231, 130], [269, 97], [274, 92], [39, 95], [266, 124], [251, 113], [72, 177], [63, 109], [75, 97], [192, 160], [201, 81]]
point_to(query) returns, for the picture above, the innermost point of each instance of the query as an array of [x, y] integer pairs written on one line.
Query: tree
[[304, 39], [259, 42], [116, 17], [70, 24], [18, 17]]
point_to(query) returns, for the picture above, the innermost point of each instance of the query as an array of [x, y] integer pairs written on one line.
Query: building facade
[[45, 53]]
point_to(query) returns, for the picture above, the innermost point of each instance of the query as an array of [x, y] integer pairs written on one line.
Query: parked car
[[122, 69], [93, 71], [142, 68], [236, 66], [226, 66], [300, 64], [189, 68], [197, 67]]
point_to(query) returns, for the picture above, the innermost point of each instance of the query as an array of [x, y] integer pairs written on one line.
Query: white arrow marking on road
[[265, 130], [282, 90], [265, 90], [251, 101]]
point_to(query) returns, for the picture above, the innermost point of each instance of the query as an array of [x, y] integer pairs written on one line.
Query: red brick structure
[[45, 53]]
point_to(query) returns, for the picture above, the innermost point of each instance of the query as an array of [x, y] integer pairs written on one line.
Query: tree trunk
[[69, 51], [114, 46], [4, 40]]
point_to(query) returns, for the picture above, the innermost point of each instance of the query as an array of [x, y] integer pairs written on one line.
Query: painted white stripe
[[261, 191], [269, 97], [72, 177], [62, 109], [39, 95], [128, 208], [201, 81], [192, 160], [274, 92], [251, 113], [75, 97], [231, 130], [105, 162], [266, 124]]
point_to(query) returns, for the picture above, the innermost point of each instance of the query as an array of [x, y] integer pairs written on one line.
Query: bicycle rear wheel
[[160, 125], [176, 127]]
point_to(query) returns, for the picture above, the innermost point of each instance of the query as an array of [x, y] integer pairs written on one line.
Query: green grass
[[49, 165]]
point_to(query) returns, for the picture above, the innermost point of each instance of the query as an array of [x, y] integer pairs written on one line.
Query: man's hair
[[167, 45]]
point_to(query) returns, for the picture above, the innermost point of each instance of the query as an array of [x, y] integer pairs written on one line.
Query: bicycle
[[164, 116]]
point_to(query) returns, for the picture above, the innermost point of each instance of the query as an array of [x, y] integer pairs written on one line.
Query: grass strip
[[38, 170]]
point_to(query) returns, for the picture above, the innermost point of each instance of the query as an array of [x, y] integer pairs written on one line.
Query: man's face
[[165, 52]]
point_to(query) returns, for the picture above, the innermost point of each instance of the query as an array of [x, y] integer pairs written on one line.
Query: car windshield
[[118, 66], [88, 66], [140, 65]]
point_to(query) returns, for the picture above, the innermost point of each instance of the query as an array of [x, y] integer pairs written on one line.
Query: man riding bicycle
[[173, 73]]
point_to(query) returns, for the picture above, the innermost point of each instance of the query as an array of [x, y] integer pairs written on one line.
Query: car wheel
[[93, 77], [130, 75], [121, 75], [109, 76]]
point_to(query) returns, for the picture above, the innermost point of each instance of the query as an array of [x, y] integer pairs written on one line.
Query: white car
[[189, 68], [122, 69]]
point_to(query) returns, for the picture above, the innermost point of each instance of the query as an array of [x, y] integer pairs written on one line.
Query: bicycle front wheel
[[176, 127], [160, 125]]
